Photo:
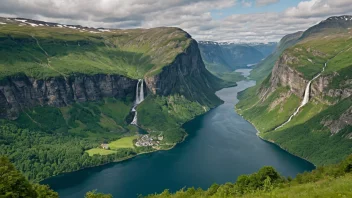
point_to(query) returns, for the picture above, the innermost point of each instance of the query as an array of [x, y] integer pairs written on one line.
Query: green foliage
[[325, 181], [263, 114], [45, 118], [13, 184], [305, 135], [312, 140], [311, 54], [44, 191], [94, 194], [40, 155], [165, 115]]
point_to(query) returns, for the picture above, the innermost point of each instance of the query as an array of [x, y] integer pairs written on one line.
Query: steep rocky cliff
[[187, 76], [304, 105], [20, 92], [264, 68], [57, 65]]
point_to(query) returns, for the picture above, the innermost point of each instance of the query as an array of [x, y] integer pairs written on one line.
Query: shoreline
[[129, 157], [175, 144], [272, 142]]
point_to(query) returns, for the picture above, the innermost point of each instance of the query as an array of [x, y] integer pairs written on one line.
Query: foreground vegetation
[[327, 181], [13, 184]]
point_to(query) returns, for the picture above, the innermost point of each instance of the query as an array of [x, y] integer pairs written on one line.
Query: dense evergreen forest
[[14, 185], [40, 155]]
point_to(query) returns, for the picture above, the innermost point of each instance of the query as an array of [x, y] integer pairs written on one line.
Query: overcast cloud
[[194, 16]]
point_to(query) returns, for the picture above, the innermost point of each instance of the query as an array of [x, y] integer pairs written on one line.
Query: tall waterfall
[[305, 98], [139, 99]]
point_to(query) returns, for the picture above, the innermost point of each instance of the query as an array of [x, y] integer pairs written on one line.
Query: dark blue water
[[221, 146]]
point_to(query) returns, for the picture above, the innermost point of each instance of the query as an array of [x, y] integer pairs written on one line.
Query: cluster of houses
[[146, 140], [105, 146]]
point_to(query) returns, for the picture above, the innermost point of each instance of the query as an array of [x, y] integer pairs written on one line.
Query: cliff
[[21, 92], [313, 121], [49, 64], [187, 76]]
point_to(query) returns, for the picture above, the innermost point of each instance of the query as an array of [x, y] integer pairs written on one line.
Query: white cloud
[[246, 3], [319, 8], [194, 16], [265, 2]]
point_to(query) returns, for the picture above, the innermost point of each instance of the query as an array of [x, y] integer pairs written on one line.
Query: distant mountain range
[[226, 56], [223, 58]]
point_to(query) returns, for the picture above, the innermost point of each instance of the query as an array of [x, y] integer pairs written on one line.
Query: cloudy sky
[[215, 20]]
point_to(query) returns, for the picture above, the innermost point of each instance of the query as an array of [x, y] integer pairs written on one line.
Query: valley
[[220, 146], [133, 112]]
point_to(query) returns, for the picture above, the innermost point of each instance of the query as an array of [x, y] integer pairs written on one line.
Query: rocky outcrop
[[336, 126], [19, 92], [187, 76], [285, 76]]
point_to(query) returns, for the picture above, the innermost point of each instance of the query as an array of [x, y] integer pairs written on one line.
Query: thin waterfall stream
[[305, 98], [139, 99]]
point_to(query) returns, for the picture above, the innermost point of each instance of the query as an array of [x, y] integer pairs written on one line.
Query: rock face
[[336, 126], [187, 76], [283, 75], [17, 93]]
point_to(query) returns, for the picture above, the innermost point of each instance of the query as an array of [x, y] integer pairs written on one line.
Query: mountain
[[305, 104], [263, 68], [222, 59], [75, 87]]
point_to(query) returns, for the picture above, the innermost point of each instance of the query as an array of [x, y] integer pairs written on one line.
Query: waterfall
[[139, 99], [305, 98]]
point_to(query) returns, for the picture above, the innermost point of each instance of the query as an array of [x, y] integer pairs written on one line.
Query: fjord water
[[221, 146]]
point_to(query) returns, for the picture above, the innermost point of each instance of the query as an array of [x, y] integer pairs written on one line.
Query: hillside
[[66, 89], [41, 50], [222, 59], [264, 67], [320, 130]]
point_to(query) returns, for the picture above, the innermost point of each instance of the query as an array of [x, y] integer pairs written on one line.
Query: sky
[[211, 20]]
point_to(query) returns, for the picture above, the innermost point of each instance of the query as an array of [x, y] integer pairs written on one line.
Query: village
[[147, 140]]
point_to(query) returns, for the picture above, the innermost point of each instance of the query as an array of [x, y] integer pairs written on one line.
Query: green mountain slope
[[263, 68], [49, 50], [65, 90], [321, 130]]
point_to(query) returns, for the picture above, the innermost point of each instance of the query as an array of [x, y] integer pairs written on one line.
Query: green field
[[99, 151], [125, 142]]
